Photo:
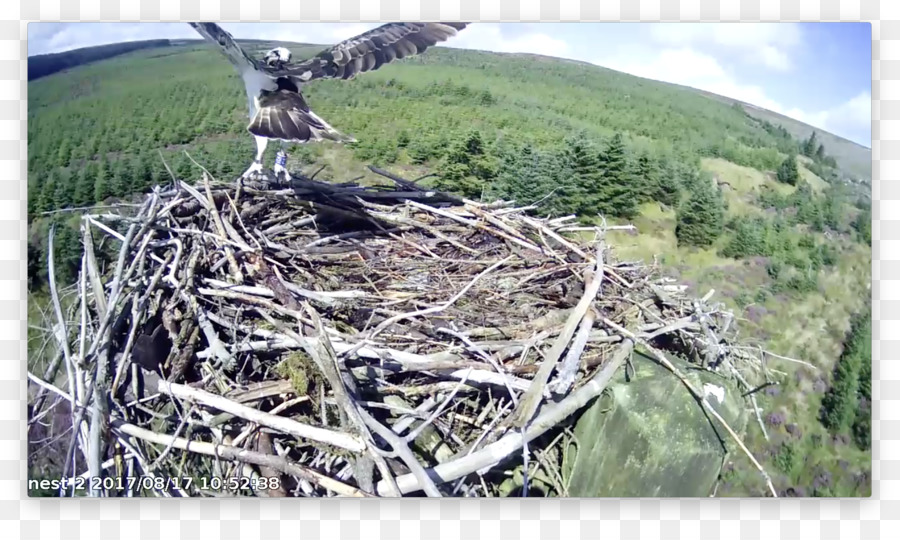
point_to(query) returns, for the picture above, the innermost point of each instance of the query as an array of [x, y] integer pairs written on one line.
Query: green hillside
[[715, 189], [853, 158]]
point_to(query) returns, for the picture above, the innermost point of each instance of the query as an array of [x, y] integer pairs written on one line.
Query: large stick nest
[[353, 341]]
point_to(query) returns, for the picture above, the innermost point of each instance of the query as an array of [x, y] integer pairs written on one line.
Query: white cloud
[[774, 58], [853, 116], [680, 66], [690, 67], [765, 43], [740, 36], [490, 37]]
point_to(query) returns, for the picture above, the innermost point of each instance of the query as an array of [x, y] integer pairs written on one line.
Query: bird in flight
[[277, 108]]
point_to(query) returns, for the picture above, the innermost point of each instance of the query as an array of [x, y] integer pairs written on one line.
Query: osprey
[[278, 110]]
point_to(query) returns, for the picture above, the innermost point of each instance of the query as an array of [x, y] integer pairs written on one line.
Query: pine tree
[[122, 183], [102, 188], [64, 154], [67, 250], [700, 218], [840, 402], [585, 192], [528, 175], [467, 166], [83, 188], [820, 153], [788, 172], [750, 238], [619, 194], [34, 198], [141, 170], [809, 210], [668, 187], [62, 195], [863, 225], [48, 192], [809, 147], [647, 177], [831, 211], [36, 265], [92, 148], [102, 149]]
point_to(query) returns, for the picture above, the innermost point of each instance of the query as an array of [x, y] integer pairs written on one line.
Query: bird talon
[[254, 170]]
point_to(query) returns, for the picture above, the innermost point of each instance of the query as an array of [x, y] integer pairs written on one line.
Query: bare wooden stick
[[532, 398], [429, 311], [63, 340], [217, 220], [286, 425], [460, 219], [552, 415], [231, 453], [405, 454], [540, 227], [94, 275], [769, 353], [572, 363]]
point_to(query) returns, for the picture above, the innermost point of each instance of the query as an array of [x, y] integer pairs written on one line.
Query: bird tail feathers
[[294, 126]]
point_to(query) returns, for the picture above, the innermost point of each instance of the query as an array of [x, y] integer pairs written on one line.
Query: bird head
[[277, 57]]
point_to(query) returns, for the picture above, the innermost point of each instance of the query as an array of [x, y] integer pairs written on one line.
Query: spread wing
[[370, 50], [215, 34]]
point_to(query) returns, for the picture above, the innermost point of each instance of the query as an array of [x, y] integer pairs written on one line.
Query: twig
[[464, 221], [405, 454], [231, 453], [286, 425], [551, 416], [490, 359], [768, 353], [217, 220], [572, 363], [392, 320], [411, 436], [96, 285], [63, 340], [532, 398]]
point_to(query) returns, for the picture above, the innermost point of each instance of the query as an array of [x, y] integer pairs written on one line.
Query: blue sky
[[819, 73]]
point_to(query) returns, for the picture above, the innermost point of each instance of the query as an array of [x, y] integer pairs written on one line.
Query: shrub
[[786, 457], [774, 269], [749, 239], [862, 428], [863, 226], [803, 282], [788, 172], [700, 218], [839, 406]]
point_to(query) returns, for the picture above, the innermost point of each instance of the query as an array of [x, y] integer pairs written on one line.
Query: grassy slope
[[124, 93], [810, 328], [852, 157], [561, 97]]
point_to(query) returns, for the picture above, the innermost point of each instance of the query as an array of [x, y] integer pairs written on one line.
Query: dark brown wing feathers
[[284, 114], [371, 50]]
